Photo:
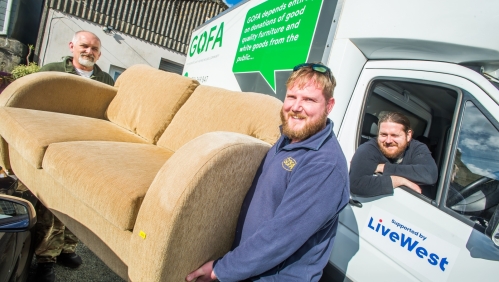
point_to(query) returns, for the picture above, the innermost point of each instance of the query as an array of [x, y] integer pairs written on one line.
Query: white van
[[435, 61]]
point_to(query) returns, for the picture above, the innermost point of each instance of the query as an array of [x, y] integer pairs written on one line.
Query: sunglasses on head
[[316, 67]]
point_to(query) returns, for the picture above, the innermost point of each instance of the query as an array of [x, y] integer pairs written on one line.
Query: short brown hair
[[324, 81], [396, 117]]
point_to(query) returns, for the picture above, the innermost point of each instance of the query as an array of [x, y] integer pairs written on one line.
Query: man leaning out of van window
[[391, 160]]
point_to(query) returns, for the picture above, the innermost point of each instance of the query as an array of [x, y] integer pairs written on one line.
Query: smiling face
[[304, 111], [392, 139], [86, 50]]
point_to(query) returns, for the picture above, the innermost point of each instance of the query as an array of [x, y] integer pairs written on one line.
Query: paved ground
[[92, 270]]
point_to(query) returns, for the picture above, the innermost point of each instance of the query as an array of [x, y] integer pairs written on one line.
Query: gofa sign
[[209, 39]]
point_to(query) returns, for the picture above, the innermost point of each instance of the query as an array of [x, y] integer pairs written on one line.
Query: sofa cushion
[[216, 109], [31, 131], [110, 177], [147, 100]]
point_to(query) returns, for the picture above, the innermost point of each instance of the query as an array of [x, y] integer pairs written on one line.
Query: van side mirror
[[493, 228], [16, 214]]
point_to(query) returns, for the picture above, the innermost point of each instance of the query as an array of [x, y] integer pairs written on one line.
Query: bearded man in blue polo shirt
[[288, 220]]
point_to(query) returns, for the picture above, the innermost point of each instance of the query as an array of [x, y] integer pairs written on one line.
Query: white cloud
[[473, 144], [476, 123], [481, 171], [230, 5], [493, 142]]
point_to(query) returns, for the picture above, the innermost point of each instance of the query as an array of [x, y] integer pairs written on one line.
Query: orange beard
[[308, 130]]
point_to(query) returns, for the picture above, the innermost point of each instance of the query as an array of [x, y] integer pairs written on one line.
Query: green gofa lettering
[[200, 44]]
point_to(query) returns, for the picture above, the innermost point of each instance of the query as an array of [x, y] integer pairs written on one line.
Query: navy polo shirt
[[289, 217]]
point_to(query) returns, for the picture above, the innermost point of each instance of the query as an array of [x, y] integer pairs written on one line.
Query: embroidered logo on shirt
[[288, 164]]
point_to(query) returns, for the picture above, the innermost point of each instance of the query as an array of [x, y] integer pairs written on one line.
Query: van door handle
[[355, 203]]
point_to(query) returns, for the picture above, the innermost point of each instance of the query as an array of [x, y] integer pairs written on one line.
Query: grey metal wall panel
[[170, 66], [168, 23]]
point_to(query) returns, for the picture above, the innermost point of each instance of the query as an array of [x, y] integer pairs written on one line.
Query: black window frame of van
[[443, 186]]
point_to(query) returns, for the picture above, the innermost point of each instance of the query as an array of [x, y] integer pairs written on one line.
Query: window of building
[[115, 72], [171, 66]]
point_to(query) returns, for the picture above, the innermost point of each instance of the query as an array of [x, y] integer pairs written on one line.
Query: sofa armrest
[[59, 92], [190, 212]]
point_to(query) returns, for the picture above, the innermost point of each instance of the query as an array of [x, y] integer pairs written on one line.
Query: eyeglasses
[[316, 67]]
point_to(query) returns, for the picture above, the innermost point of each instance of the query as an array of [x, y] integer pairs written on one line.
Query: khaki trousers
[[51, 236]]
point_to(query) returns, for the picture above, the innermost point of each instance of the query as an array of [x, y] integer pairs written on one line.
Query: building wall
[[118, 49]]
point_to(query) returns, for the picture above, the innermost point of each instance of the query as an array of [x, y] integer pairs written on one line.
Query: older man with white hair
[[54, 242], [86, 50]]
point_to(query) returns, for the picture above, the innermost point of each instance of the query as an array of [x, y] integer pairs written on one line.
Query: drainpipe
[[8, 11]]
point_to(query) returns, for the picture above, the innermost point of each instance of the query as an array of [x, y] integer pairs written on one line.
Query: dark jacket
[[289, 217], [417, 166], [66, 65]]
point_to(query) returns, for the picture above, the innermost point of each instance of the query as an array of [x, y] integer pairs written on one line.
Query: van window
[[471, 189], [474, 181], [429, 107]]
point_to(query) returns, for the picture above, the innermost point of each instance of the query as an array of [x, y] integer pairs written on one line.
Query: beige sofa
[[149, 174]]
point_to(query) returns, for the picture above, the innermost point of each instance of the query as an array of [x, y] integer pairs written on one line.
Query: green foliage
[[22, 70]]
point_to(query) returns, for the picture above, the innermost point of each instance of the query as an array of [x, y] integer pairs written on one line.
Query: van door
[[441, 236]]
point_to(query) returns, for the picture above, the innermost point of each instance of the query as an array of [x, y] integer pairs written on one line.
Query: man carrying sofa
[[288, 220], [53, 240]]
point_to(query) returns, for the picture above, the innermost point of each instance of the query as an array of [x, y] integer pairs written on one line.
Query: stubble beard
[[308, 130]]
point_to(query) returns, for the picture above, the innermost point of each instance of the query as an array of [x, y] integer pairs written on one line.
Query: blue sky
[[230, 3]]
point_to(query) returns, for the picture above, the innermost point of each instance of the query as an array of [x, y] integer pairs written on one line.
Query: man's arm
[[314, 195], [420, 168], [364, 164], [203, 274], [398, 181]]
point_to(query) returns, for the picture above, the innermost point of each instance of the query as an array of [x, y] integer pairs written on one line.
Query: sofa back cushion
[[215, 109], [147, 100]]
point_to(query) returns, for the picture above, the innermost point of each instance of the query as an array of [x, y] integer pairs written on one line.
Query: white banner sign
[[410, 245]]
